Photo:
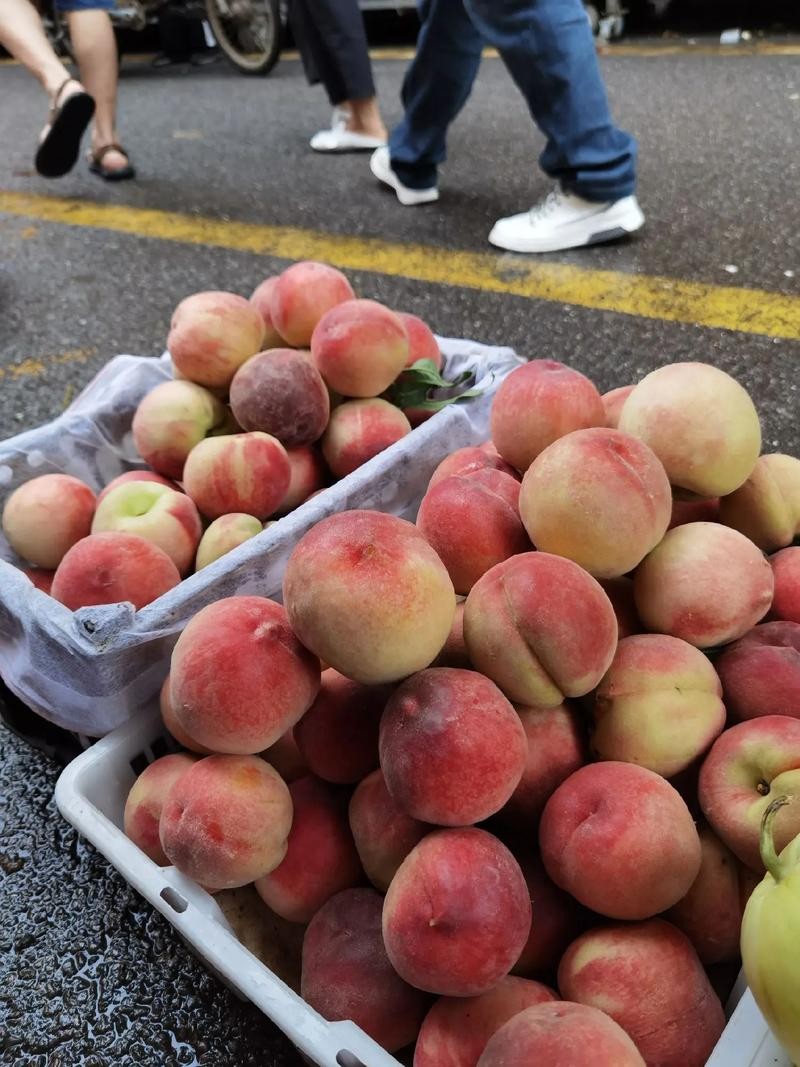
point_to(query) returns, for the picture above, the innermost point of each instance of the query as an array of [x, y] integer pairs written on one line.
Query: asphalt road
[[88, 974]]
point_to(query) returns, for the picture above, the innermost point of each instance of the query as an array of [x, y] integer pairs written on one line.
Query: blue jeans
[[548, 48]]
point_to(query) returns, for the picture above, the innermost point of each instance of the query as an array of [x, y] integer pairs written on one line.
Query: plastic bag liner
[[90, 670]]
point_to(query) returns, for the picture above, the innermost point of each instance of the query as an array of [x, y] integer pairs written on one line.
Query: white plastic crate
[[90, 670], [91, 794]]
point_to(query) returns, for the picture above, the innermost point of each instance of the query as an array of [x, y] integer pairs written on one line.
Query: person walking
[[333, 47], [548, 48]]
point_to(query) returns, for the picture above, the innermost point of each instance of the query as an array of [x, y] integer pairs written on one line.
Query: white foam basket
[[91, 794]]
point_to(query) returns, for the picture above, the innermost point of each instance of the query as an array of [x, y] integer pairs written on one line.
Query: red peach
[[239, 677], [620, 592], [302, 295], [347, 974], [223, 535], [457, 913], [246, 472], [685, 511], [538, 403], [766, 508], [613, 402], [146, 799], [282, 393], [135, 476], [174, 727], [261, 298], [383, 833], [467, 461], [360, 348], [286, 758], [558, 918], [421, 342], [212, 334], [454, 651], [110, 568], [359, 430], [307, 475], [760, 672], [45, 517], [786, 572], [41, 579]]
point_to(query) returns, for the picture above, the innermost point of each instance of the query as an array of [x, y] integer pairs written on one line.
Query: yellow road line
[[725, 307], [36, 366]]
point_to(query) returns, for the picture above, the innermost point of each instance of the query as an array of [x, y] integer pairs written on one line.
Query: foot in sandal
[[70, 113], [111, 162]]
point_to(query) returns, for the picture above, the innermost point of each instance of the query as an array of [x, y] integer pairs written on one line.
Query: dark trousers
[[333, 46], [548, 48]]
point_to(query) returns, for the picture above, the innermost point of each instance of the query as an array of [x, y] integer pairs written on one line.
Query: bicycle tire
[[258, 63]]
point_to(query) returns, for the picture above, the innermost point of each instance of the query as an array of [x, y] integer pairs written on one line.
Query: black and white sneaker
[[562, 221]]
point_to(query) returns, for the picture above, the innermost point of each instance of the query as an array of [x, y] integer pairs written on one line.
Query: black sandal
[[58, 150], [121, 174]]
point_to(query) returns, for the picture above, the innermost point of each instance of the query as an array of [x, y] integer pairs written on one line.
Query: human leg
[[22, 34]]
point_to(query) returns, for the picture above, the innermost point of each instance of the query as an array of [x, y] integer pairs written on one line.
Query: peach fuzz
[[171, 419], [367, 593], [612, 404], [282, 393], [700, 423], [541, 628], [704, 583], [620, 592], [239, 678], [452, 748], [786, 572], [211, 335], [558, 919], [146, 799], [346, 973], [174, 727], [261, 298], [161, 515], [223, 535], [359, 430], [360, 348], [454, 651], [302, 295], [41, 579], [560, 1035], [620, 839], [684, 511], [246, 472], [321, 859], [473, 523], [467, 461], [338, 735], [307, 475], [45, 517], [648, 978], [136, 476], [760, 672], [226, 820], [457, 913], [538, 403], [767, 507], [711, 912], [456, 1029], [659, 705], [421, 342], [383, 833], [111, 568], [749, 765], [576, 490], [286, 758]]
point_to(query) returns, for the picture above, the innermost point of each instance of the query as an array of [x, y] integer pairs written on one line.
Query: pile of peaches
[[507, 765]]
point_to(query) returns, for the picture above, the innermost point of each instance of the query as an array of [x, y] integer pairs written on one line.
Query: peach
[[286, 758], [760, 672], [171, 419], [452, 748], [620, 592], [704, 583], [648, 978], [538, 403], [302, 295], [659, 705], [421, 342], [454, 651], [338, 735], [558, 918], [748, 766], [223, 535], [146, 799], [456, 1029], [109, 568], [473, 523], [261, 298], [620, 839], [212, 334], [711, 912], [282, 393], [684, 511], [164, 516], [246, 472], [45, 517], [383, 833], [766, 508], [307, 475], [239, 678], [359, 430], [541, 628], [457, 913], [367, 594], [786, 572], [576, 490], [174, 727], [226, 820], [321, 859], [700, 423], [560, 1035], [613, 402], [41, 579], [360, 348], [346, 973], [135, 476], [467, 461]]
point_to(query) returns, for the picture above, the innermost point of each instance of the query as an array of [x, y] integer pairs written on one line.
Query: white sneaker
[[381, 166], [562, 221]]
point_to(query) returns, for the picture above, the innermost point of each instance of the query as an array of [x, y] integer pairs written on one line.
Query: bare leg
[[22, 34], [365, 117]]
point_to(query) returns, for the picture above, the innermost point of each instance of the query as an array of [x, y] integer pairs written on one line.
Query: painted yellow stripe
[[726, 307]]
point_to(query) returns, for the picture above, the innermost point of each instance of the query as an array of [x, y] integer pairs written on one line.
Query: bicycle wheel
[[249, 32]]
